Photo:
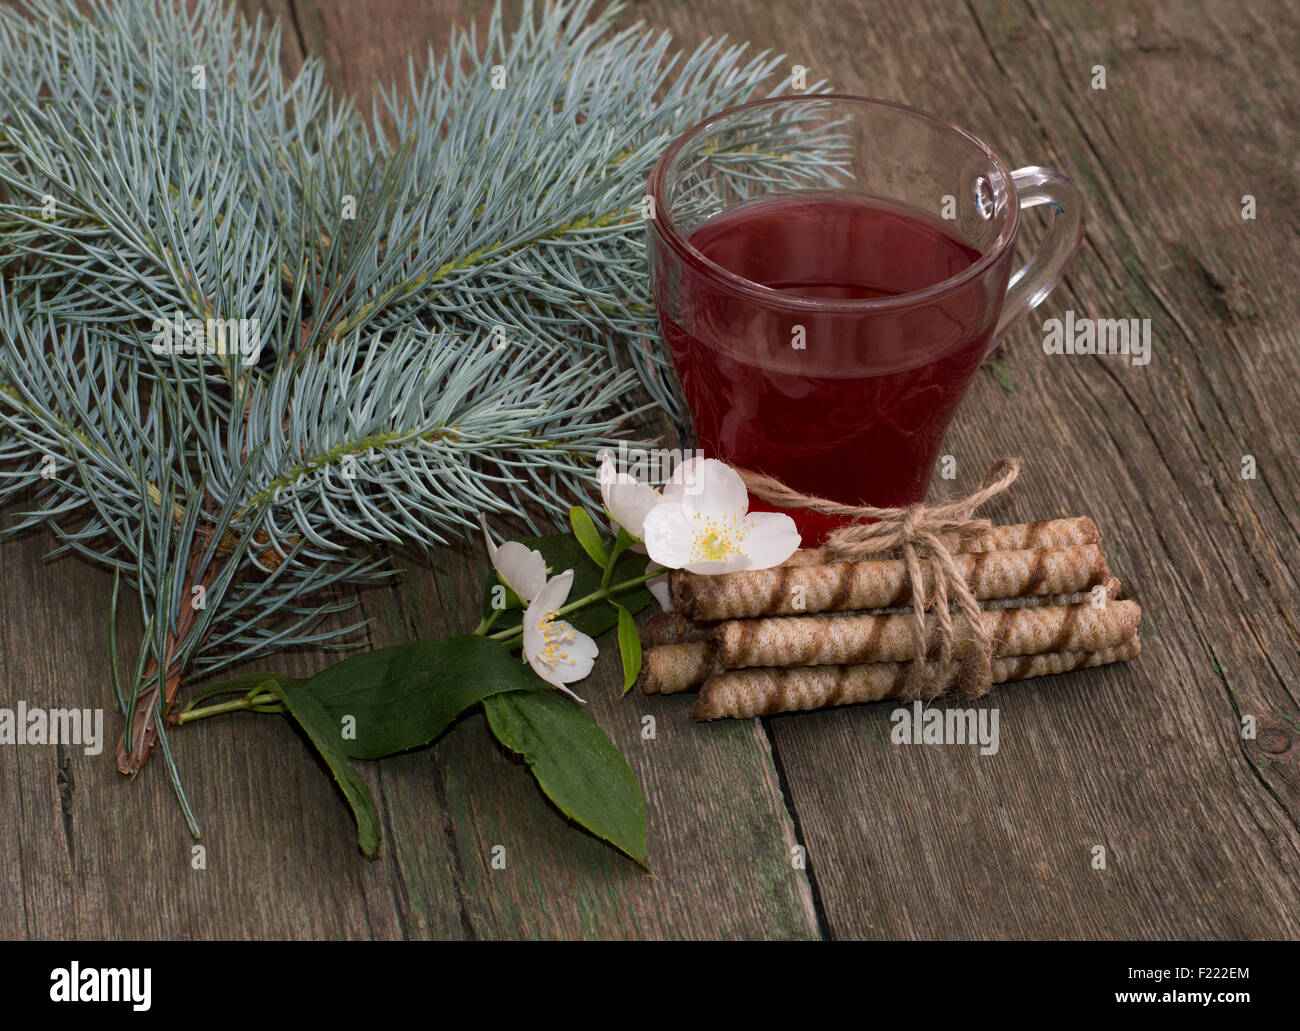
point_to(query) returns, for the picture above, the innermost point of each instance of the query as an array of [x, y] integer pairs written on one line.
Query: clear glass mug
[[829, 272]]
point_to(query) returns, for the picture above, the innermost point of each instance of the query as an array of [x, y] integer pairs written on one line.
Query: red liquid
[[858, 413]]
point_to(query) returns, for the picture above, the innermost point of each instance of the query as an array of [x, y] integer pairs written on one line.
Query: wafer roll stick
[[674, 668], [849, 586], [1044, 533], [852, 639], [1110, 590], [677, 628], [689, 674], [741, 694], [673, 628]]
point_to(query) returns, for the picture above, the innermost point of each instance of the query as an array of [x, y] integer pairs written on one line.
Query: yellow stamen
[[554, 635], [717, 540]]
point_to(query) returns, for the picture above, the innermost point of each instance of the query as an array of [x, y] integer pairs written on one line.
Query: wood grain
[[1201, 828], [1146, 761]]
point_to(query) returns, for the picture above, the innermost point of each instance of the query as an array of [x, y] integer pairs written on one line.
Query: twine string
[[916, 531]]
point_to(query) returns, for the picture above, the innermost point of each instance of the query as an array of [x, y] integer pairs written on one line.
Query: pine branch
[[451, 301]]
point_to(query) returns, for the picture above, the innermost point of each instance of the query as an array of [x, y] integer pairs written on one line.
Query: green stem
[[203, 712], [602, 594], [257, 701], [483, 627], [622, 542]]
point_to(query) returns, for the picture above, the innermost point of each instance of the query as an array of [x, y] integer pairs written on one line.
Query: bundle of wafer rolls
[[815, 632]]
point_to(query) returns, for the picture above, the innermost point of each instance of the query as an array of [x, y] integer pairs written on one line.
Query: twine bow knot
[[917, 533]]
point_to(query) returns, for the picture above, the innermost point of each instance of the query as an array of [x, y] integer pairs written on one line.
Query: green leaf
[[629, 647], [562, 552], [575, 763], [405, 696], [325, 733], [584, 528]]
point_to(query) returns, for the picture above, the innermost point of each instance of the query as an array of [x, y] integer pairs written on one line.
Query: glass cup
[[829, 272]]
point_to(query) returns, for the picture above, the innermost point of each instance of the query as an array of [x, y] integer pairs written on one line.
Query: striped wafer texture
[[852, 638], [741, 694], [677, 628], [674, 668], [1110, 590], [1044, 533], [849, 586]]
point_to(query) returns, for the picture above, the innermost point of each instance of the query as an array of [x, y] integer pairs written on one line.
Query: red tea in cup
[[825, 336], [870, 427]]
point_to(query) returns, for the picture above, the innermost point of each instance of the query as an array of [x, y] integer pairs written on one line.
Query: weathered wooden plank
[[1146, 760], [720, 836], [365, 46], [282, 860], [709, 850], [1200, 827], [99, 856]]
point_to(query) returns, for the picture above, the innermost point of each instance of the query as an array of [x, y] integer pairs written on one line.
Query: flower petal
[[672, 539], [578, 653], [770, 539], [523, 569], [659, 590], [566, 654], [557, 651], [554, 594], [669, 536], [717, 491], [711, 567], [487, 539], [571, 693], [543, 670], [550, 598], [626, 500], [684, 478], [608, 471]]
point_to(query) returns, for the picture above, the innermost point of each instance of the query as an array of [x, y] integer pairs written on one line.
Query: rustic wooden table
[[1201, 827]]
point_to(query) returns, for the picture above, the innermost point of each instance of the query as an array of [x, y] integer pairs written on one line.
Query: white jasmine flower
[[704, 524], [523, 569], [627, 500], [559, 653]]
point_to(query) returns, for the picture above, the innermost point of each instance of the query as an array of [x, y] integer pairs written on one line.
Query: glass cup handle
[[1034, 280]]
